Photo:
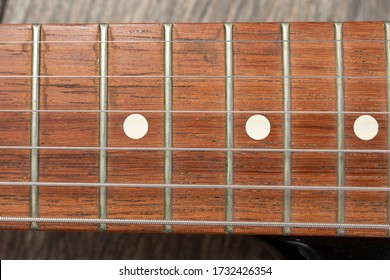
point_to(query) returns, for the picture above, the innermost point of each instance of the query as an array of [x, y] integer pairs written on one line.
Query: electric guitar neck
[[236, 128]]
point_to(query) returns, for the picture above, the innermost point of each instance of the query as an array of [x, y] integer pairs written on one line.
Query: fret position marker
[[387, 37], [34, 159], [103, 125], [286, 125], [168, 123], [338, 27], [135, 126], [366, 127], [229, 124], [258, 127]]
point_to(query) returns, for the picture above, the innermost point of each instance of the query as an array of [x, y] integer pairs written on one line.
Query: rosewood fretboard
[[66, 90]]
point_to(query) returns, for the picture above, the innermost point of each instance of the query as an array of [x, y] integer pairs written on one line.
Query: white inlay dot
[[258, 127], [135, 126], [366, 127]]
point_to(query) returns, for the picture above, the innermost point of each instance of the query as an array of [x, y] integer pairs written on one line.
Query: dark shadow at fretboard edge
[[95, 245], [104, 245]]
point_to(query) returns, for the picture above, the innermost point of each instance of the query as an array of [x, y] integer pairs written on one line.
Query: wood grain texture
[[132, 93], [359, 94], [44, 245], [68, 129], [314, 59], [198, 58], [15, 93], [258, 168], [198, 55]]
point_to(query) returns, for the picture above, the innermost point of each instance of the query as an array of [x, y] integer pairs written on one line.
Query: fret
[[387, 38], [34, 175], [168, 123], [229, 123], [340, 124], [286, 124], [102, 211]]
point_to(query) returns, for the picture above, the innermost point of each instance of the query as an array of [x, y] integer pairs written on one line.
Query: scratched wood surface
[[203, 11]]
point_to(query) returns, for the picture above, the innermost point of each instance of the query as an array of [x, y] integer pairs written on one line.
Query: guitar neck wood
[[243, 128]]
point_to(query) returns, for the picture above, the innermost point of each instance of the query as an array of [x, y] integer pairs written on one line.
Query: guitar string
[[194, 111], [198, 186], [195, 223], [186, 41], [135, 76], [195, 149]]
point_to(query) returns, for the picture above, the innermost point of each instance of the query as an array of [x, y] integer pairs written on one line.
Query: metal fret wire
[[387, 51], [197, 112], [201, 186], [168, 124], [285, 29], [229, 195], [194, 77], [194, 223], [338, 33], [103, 124], [34, 126], [189, 41]]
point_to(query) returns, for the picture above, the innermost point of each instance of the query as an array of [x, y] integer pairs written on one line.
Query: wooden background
[[71, 245]]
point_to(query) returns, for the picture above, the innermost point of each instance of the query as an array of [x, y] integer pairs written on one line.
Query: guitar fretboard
[[245, 128]]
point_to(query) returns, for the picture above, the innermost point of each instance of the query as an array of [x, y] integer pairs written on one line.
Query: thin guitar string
[[194, 223], [135, 76], [194, 149], [186, 41], [194, 111], [199, 77], [197, 186]]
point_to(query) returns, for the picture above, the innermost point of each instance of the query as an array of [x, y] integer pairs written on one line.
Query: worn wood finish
[[136, 62]]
